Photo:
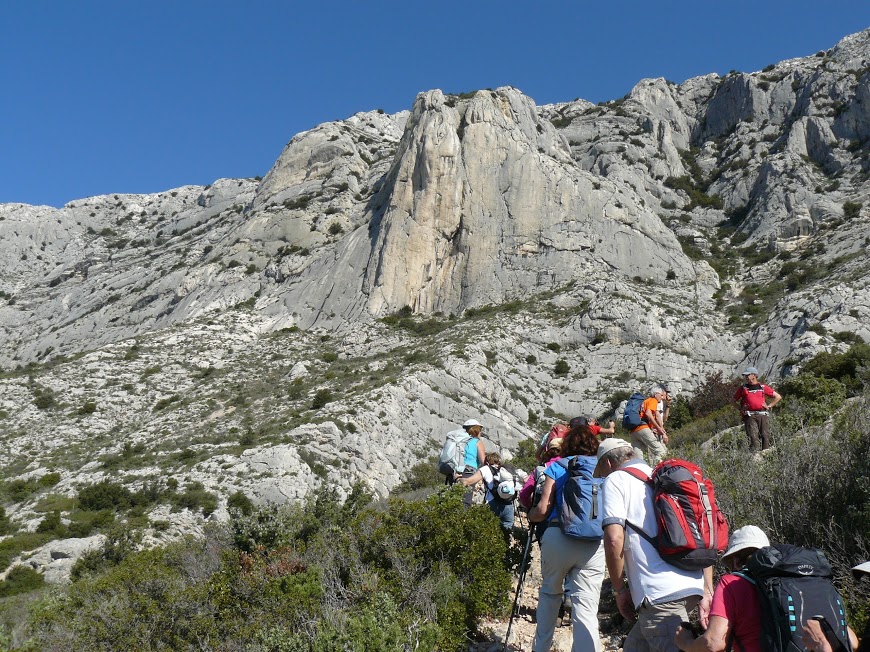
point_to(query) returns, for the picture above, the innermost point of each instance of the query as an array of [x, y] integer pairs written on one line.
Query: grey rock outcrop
[[393, 275]]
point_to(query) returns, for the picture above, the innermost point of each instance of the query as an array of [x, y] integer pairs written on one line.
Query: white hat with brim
[[861, 568], [472, 422], [749, 536]]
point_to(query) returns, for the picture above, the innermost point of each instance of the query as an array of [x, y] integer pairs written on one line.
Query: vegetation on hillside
[[413, 575]]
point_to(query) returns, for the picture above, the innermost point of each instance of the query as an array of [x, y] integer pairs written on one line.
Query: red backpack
[[558, 430], [692, 532]]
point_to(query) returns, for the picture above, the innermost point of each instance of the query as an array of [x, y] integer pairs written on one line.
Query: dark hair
[[580, 441]]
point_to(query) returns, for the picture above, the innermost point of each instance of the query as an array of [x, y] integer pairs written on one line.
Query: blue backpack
[[581, 514], [632, 417]]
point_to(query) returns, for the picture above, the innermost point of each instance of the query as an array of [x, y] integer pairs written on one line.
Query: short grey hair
[[657, 389], [618, 456]]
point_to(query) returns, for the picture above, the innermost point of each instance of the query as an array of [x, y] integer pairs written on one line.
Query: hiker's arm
[[713, 640], [614, 541], [473, 479], [776, 399], [652, 418], [548, 495], [609, 430], [707, 599], [481, 452], [815, 640]]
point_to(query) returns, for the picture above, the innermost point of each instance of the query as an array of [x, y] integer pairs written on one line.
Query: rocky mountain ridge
[[393, 275]]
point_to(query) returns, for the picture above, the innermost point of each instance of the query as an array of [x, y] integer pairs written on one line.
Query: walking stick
[[522, 577]]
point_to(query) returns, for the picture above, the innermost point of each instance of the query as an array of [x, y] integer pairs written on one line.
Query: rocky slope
[[234, 334]]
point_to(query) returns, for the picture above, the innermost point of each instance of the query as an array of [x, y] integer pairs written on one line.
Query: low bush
[[21, 579], [325, 576]]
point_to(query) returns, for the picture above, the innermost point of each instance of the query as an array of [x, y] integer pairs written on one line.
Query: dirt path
[[611, 625]]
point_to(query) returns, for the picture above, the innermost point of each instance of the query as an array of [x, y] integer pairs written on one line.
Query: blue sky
[[133, 97]]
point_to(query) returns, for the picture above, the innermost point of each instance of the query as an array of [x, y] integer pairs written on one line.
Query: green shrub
[[561, 368], [810, 400], [88, 407], [48, 480], [329, 575], [45, 401], [321, 398], [18, 490], [21, 579], [524, 455], [51, 523], [239, 501], [85, 523], [851, 369], [104, 495], [195, 498], [851, 210], [423, 475]]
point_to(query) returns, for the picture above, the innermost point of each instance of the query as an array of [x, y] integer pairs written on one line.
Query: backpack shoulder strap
[[643, 477], [637, 473]]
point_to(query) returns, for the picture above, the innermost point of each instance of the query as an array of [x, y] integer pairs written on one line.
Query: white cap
[[609, 444], [749, 536], [861, 568], [472, 422], [506, 490]]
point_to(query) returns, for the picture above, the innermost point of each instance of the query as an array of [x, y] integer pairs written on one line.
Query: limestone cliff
[[235, 334]]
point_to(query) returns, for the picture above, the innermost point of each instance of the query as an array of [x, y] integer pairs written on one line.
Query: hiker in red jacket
[[751, 400]]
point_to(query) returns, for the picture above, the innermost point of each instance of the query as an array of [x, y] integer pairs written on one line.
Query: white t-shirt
[[486, 474], [649, 576]]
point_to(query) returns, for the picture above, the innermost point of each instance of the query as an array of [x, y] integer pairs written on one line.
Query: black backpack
[[794, 585]]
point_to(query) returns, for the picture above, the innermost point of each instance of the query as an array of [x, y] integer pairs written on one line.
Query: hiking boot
[[565, 611]]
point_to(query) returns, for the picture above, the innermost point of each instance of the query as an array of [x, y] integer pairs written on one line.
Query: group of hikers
[[597, 501]]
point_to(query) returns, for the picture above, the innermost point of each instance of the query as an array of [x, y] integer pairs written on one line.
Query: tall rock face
[[393, 275], [486, 205]]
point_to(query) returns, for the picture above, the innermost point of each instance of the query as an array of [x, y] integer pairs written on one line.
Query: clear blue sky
[[121, 96]]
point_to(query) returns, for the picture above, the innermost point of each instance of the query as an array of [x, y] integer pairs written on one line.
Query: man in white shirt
[[658, 594]]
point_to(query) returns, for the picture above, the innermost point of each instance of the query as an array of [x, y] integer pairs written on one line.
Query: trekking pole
[[524, 564]]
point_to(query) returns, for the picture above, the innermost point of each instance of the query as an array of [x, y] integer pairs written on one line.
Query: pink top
[[528, 491], [736, 600]]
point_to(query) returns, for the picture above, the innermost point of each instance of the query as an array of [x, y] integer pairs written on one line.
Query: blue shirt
[[471, 453]]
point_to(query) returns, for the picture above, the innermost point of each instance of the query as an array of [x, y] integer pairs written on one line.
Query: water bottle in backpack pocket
[[581, 515]]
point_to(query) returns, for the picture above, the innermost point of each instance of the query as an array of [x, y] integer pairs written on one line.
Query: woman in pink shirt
[[735, 613]]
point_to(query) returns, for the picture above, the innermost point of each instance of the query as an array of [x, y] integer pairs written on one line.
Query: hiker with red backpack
[[665, 578], [572, 557]]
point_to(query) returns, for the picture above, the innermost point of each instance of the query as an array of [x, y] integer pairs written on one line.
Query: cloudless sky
[[127, 96]]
